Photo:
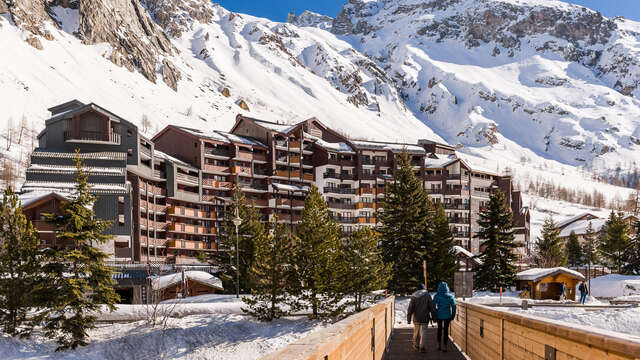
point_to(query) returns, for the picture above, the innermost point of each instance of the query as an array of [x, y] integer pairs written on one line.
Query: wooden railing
[[485, 333], [364, 335]]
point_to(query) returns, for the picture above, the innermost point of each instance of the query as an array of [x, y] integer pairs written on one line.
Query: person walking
[[421, 311], [563, 292], [583, 292], [445, 312]]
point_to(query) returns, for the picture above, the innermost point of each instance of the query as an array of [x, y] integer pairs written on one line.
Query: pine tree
[[590, 245], [573, 250], [316, 258], [632, 254], [363, 268], [440, 257], [80, 282], [550, 249], [250, 229], [19, 266], [614, 240], [496, 233], [404, 224], [272, 274]]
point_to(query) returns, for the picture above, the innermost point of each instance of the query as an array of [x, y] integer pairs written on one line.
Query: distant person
[[563, 292], [445, 312], [583, 292], [421, 310]]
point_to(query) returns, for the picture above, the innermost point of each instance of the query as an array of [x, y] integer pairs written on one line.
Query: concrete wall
[[485, 333], [349, 339]]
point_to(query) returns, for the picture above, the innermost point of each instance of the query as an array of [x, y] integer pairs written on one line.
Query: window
[[129, 132]]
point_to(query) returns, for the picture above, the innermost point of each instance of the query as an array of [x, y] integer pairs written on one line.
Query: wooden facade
[[550, 286]]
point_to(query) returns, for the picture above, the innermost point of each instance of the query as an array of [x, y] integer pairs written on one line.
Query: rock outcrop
[[170, 74], [175, 17], [30, 15]]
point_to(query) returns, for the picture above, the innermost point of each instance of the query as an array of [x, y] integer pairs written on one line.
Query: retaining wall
[[485, 333], [364, 335]]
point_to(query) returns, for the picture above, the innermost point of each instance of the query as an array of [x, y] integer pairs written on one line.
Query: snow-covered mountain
[[514, 82]]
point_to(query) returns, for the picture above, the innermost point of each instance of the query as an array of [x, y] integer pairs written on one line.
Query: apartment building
[[167, 195]]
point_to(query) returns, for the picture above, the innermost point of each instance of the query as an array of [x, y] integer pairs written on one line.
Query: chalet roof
[[460, 250], [33, 197], [211, 136], [388, 146], [105, 155], [65, 106], [164, 156], [69, 187], [91, 106], [576, 218], [341, 147], [539, 273], [62, 169], [222, 136], [273, 126], [440, 161], [238, 139], [165, 281], [580, 227]]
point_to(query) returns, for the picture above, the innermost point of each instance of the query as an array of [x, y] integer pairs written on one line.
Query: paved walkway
[[401, 347]]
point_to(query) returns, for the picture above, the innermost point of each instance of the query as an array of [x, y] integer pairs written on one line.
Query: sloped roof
[[388, 146], [460, 250], [539, 273], [575, 218], [165, 281], [34, 197], [580, 227]]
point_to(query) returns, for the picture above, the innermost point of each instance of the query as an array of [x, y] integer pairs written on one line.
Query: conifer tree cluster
[[68, 283], [573, 250], [590, 246], [414, 230], [19, 266], [551, 252], [250, 230], [273, 274], [315, 268], [496, 230], [632, 253], [614, 240]]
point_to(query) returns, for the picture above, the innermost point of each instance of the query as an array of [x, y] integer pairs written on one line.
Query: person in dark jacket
[[421, 310], [563, 292], [583, 292], [445, 312]]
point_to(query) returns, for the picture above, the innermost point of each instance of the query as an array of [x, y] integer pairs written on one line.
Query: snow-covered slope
[[555, 78]]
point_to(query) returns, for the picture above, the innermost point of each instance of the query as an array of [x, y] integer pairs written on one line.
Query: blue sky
[[278, 9]]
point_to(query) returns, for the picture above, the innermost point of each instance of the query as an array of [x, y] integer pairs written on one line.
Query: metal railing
[[336, 190]]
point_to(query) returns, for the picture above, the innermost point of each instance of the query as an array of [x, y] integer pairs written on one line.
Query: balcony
[[216, 152], [341, 205], [42, 225], [145, 150], [366, 220], [453, 176], [289, 218], [216, 168], [334, 175], [342, 162], [344, 220], [261, 172], [294, 144], [245, 155], [362, 191], [191, 229], [366, 205], [289, 202], [449, 206], [253, 186], [188, 195], [217, 184], [112, 138], [434, 177], [294, 159], [187, 178], [189, 212], [123, 252], [460, 234], [288, 173], [307, 176], [241, 170], [336, 190], [433, 191], [258, 202], [459, 220], [190, 245]]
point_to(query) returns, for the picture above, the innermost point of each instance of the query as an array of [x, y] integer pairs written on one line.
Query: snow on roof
[[580, 227], [31, 197], [165, 281], [104, 155], [240, 139], [212, 135], [281, 128], [394, 147], [51, 186], [537, 273], [287, 187], [341, 147], [165, 156], [574, 218], [465, 252], [439, 162], [72, 169]]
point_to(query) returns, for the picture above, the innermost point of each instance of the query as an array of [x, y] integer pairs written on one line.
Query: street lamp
[[237, 221]]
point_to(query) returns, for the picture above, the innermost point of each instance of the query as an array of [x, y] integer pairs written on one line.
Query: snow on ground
[[615, 285], [210, 336]]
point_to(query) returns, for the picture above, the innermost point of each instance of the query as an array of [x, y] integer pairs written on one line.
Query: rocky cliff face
[[309, 18]]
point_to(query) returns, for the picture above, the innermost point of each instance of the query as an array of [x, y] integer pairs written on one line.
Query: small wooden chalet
[[184, 284], [546, 283]]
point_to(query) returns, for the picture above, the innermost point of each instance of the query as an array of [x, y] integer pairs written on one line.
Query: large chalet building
[[167, 195]]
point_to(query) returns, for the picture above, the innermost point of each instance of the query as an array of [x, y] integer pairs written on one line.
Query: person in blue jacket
[[445, 312]]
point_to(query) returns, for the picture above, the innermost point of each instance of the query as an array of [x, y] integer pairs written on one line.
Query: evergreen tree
[[363, 269], [19, 266], [440, 257], [632, 254], [549, 245], [272, 274], [404, 227], [251, 228], [496, 233], [316, 258], [590, 246], [79, 281], [615, 240], [573, 250]]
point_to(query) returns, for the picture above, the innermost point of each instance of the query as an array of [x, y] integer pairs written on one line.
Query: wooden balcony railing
[[366, 205], [217, 168], [191, 229], [190, 245], [241, 170]]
